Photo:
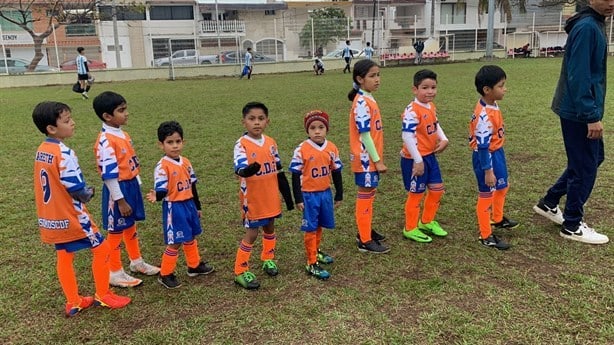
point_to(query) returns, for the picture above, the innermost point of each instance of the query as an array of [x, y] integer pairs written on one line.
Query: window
[[111, 48], [171, 13], [267, 47], [80, 30], [453, 13], [7, 52], [160, 46], [8, 26], [123, 13], [269, 12]]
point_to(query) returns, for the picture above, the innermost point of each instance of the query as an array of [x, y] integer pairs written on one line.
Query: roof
[[244, 6]]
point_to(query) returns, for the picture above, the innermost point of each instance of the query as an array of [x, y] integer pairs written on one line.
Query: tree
[[52, 13], [328, 25], [505, 5]]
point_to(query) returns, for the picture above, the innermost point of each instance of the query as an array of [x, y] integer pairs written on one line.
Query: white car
[[187, 57], [339, 53]]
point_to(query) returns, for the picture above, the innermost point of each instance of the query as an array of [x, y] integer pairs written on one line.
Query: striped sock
[[242, 259], [268, 246], [169, 261], [364, 214]]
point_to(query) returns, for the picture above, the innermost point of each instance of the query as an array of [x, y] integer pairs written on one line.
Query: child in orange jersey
[[422, 139], [64, 221], [366, 151], [122, 201], [486, 139], [257, 163], [315, 161], [175, 184]]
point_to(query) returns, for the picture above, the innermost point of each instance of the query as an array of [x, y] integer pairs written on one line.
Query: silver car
[[187, 57], [19, 66]]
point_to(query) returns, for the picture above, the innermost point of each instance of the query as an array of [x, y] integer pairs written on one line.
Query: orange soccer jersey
[[61, 218], [486, 129], [421, 119], [175, 178], [365, 117], [315, 163], [259, 194], [115, 155]]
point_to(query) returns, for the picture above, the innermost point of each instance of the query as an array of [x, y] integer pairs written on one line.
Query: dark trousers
[[347, 65], [583, 158]]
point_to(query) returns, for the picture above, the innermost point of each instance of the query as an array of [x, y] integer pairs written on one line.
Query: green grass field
[[544, 290]]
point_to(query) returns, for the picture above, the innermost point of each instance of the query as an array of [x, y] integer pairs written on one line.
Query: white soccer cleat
[[140, 266], [122, 279]]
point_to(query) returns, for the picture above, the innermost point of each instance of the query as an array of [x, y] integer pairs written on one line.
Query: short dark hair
[[255, 105], [488, 76], [424, 74], [47, 113], [168, 128], [249, 48], [107, 102], [80, 50]]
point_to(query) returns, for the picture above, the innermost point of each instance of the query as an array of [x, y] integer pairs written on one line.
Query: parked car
[[339, 52], [187, 57], [19, 66], [71, 65], [230, 56]]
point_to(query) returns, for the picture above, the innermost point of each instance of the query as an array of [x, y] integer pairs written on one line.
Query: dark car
[[230, 56], [71, 65]]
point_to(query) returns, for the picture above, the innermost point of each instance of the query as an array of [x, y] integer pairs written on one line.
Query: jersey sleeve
[[296, 164], [160, 178], [362, 116], [193, 178], [71, 176], [106, 159], [483, 131], [410, 120], [240, 157], [335, 159]]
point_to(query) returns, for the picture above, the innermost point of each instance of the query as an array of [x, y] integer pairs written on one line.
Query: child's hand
[[124, 208], [441, 145], [489, 178], [337, 203], [151, 196], [380, 166], [418, 169], [300, 206], [200, 213]]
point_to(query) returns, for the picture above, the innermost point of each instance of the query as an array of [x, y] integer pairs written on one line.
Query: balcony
[[210, 27]]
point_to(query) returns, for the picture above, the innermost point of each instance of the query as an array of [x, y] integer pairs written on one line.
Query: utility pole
[[490, 29], [118, 59], [373, 23]]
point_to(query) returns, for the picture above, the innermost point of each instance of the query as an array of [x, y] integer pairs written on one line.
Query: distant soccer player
[[486, 139], [248, 65], [122, 202], [315, 161], [423, 137], [368, 51], [318, 66], [257, 163], [63, 219], [175, 185], [347, 56], [83, 72]]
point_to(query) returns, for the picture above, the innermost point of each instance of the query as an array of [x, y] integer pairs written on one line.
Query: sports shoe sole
[[409, 236], [127, 285], [200, 273], [167, 286], [363, 250], [583, 240], [548, 215]]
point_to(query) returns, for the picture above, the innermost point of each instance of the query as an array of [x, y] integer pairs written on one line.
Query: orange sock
[[192, 257], [115, 254], [100, 268], [131, 240], [412, 210], [483, 210], [498, 202], [318, 237], [242, 260], [268, 246], [431, 203], [310, 247], [169, 261], [364, 214], [66, 275]]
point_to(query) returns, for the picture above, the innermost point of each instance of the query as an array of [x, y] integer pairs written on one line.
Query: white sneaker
[[140, 266], [554, 214], [84, 94], [584, 234], [122, 279]]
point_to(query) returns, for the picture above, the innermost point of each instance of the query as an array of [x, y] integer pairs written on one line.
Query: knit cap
[[316, 115]]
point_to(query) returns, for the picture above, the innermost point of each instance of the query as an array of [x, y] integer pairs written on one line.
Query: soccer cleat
[[494, 241], [202, 269], [270, 268], [84, 95], [111, 301], [372, 247], [247, 280], [375, 236], [433, 228], [417, 236], [122, 279], [317, 271], [142, 267], [324, 258], [505, 224], [84, 303], [583, 233], [169, 281], [554, 214]]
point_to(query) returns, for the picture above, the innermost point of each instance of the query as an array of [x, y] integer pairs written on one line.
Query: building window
[[111, 48], [80, 30], [269, 12], [7, 52], [171, 13], [455, 13], [123, 13], [8, 26], [267, 47], [161, 47]]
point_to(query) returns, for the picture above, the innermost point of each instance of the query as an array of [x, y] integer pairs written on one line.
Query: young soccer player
[[423, 137], [122, 202], [318, 66], [257, 163], [486, 139], [63, 219], [315, 161], [366, 151], [175, 183], [248, 66]]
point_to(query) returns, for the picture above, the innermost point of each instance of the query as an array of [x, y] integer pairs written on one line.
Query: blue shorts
[[418, 184], [367, 179], [246, 70], [319, 211], [499, 168], [112, 219], [180, 222], [255, 224], [83, 243]]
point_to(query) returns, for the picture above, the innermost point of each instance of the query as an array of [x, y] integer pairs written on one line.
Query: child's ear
[[161, 145], [51, 129], [107, 116]]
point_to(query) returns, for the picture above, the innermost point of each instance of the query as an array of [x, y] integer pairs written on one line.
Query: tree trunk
[[38, 52]]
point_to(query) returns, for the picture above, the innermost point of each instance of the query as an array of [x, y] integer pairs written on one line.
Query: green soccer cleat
[[317, 271], [433, 228], [417, 236], [324, 258], [247, 280], [270, 268]]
